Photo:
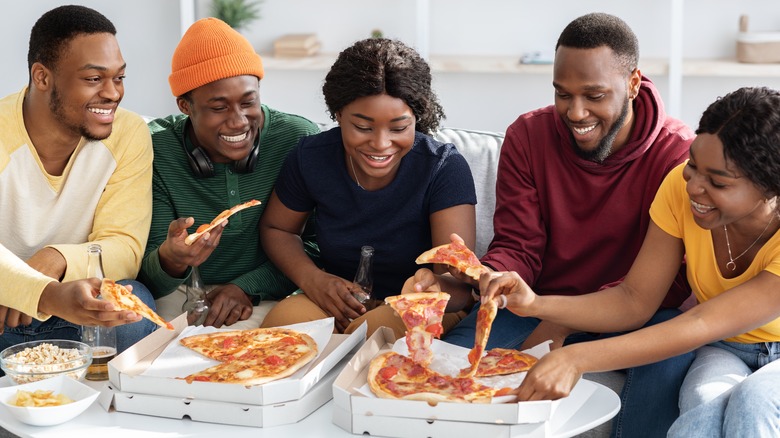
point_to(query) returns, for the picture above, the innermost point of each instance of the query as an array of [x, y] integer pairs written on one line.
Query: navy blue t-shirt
[[395, 220]]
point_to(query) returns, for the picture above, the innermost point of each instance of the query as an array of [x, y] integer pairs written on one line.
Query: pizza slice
[[222, 217], [456, 254], [485, 316], [251, 357], [422, 314], [221, 346], [122, 298], [501, 361], [391, 375]]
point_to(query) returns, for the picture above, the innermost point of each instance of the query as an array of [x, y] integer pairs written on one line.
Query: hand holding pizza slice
[[222, 217], [456, 254], [122, 298]]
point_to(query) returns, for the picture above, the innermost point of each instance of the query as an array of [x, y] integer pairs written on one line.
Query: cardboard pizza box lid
[[348, 397], [125, 372]]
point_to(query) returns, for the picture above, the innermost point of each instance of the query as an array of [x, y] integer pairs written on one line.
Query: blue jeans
[[731, 390], [58, 328], [650, 393]]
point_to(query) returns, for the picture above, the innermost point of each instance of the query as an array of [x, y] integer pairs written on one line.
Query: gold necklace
[[731, 265], [355, 173]]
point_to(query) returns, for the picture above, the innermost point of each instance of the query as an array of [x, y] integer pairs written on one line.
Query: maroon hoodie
[[570, 226]]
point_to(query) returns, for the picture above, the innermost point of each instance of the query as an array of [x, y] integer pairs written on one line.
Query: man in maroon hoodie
[[575, 184]]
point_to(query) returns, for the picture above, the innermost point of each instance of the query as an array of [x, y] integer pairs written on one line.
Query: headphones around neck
[[202, 166]]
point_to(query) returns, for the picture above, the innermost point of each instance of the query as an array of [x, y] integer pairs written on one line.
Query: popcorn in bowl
[[38, 360]]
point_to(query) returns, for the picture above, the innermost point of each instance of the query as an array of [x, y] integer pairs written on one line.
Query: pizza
[[456, 254], [485, 316], [422, 313], [222, 217], [251, 357], [391, 375], [123, 299], [501, 361]]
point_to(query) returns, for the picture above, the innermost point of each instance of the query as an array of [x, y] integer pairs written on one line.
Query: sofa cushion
[[481, 149]]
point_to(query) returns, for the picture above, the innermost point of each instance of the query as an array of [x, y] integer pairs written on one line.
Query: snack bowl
[[38, 360], [82, 395]]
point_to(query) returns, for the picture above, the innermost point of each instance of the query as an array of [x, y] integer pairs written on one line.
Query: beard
[[56, 107], [604, 149]]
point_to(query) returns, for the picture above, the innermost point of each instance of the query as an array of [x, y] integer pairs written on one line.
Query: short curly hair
[[383, 66], [598, 29], [57, 27], [747, 122]]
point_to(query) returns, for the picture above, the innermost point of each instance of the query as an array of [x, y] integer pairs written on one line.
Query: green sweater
[[239, 258]]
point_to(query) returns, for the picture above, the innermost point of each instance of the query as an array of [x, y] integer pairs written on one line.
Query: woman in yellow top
[[719, 211]]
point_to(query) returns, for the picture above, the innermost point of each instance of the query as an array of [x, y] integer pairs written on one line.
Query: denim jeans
[[731, 390], [58, 328], [650, 393]]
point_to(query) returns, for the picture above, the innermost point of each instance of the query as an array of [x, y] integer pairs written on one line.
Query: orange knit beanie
[[211, 50]]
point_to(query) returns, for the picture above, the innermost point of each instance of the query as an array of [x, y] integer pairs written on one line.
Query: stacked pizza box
[[137, 388], [296, 45]]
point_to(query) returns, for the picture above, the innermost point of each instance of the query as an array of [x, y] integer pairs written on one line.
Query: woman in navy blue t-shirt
[[377, 179]]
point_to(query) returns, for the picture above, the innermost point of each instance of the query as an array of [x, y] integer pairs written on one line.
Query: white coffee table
[[589, 405]]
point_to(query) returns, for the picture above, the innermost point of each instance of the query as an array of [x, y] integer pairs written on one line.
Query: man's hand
[[547, 331], [334, 296], [176, 256], [551, 378], [74, 301], [13, 318], [228, 304], [519, 296]]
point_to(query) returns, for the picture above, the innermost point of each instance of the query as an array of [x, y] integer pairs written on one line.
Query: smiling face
[[592, 96], [377, 132], [719, 193], [87, 86], [225, 117]]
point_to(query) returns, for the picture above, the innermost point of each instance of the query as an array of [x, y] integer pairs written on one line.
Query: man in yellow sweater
[[74, 169]]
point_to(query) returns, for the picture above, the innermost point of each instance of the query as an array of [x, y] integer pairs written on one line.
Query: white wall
[[148, 31]]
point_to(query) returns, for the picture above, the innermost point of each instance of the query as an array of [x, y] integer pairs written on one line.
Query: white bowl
[[82, 395]]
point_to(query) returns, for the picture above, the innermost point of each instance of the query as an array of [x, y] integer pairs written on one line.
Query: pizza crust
[[221, 218]]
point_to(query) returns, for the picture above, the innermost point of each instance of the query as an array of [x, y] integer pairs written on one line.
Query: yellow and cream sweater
[[103, 196]]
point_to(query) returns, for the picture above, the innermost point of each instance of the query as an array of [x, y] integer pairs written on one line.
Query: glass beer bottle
[[364, 282], [195, 305], [101, 339]]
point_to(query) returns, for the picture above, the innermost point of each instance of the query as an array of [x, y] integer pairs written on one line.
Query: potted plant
[[236, 13]]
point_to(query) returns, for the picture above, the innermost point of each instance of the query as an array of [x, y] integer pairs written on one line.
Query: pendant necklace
[[731, 265], [358, 181]]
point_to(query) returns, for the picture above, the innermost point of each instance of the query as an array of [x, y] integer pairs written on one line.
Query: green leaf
[[236, 13]]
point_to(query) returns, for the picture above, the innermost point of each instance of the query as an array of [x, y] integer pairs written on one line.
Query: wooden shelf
[[512, 65]]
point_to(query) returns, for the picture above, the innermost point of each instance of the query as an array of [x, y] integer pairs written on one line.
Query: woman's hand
[[334, 296], [424, 280], [553, 377]]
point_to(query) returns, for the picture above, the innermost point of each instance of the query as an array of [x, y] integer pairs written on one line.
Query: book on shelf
[[296, 45]]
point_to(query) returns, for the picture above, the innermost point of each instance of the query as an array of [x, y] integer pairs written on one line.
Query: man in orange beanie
[[225, 149]]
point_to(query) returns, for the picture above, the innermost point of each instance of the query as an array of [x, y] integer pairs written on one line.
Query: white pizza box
[[396, 427], [349, 395], [129, 371], [238, 414]]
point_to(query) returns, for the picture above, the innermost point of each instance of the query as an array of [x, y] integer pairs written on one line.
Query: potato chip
[[39, 398]]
